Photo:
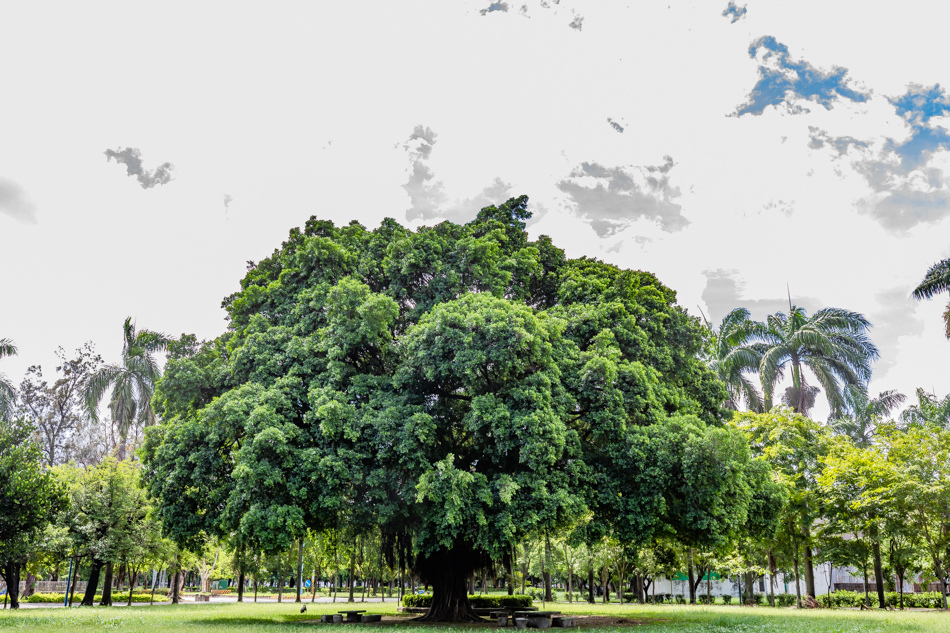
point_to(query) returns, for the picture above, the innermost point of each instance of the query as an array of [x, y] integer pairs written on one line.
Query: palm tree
[[132, 382], [735, 352], [928, 410], [7, 393], [866, 414], [832, 343], [936, 281]]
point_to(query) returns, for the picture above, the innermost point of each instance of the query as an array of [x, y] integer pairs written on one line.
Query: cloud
[[427, 196], [577, 23], [723, 293], [895, 318], [907, 178], [131, 157], [15, 203], [783, 80], [841, 144], [612, 198], [615, 125], [495, 6], [734, 13]]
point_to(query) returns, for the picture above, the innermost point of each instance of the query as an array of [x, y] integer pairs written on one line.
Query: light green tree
[[29, 499]]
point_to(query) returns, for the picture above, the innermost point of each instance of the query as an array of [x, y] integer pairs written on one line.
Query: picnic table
[[537, 619], [352, 616]]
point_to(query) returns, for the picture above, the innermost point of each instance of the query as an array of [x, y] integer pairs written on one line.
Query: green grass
[[285, 618]]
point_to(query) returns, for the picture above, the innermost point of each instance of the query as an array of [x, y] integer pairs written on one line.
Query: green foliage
[[727, 598], [705, 599], [137, 596], [477, 601], [457, 388], [926, 600], [785, 599]]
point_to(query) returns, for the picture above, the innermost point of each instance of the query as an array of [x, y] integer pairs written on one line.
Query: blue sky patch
[[785, 80], [734, 13]]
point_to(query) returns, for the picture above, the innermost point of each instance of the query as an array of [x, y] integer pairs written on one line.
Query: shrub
[[477, 602], [758, 598], [705, 599], [785, 599], [680, 599], [117, 597], [727, 598], [576, 596]]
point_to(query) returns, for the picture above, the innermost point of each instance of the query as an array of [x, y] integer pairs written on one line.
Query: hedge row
[[477, 602], [117, 598], [930, 600]]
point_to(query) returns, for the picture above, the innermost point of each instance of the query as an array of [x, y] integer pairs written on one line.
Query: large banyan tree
[[457, 388]]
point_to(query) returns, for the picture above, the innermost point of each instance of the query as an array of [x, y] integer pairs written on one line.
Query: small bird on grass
[[303, 609]]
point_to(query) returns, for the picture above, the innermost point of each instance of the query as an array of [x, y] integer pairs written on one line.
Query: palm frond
[[936, 281]]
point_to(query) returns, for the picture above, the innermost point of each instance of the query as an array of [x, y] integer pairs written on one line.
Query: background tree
[[929, 410], [832, 344], [57, 410], [29, 498], [132, 381], [108, 518], [935, 282], [792, 445], [733, 354], [7, 392], [864, 414], [920, 458]]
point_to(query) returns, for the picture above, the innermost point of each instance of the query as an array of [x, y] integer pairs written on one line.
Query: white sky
[[295, 109]]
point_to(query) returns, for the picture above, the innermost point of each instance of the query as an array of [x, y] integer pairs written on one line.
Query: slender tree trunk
[[72, 588], [809, 563], [175, 581], [878, 571], [547, 569], [299, 568], [798, 587], [692, 578], [772, 568], [590, 580], [280, 578], [867, 591], [350, 580]]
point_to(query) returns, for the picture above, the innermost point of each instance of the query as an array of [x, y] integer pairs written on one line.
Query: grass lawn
[[280, 618]]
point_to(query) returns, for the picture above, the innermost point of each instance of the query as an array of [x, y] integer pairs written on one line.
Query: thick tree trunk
[[350, 581], [11, 573], [447, 572], [798, 588], [878, 572], [107, 587], [90, 595]]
